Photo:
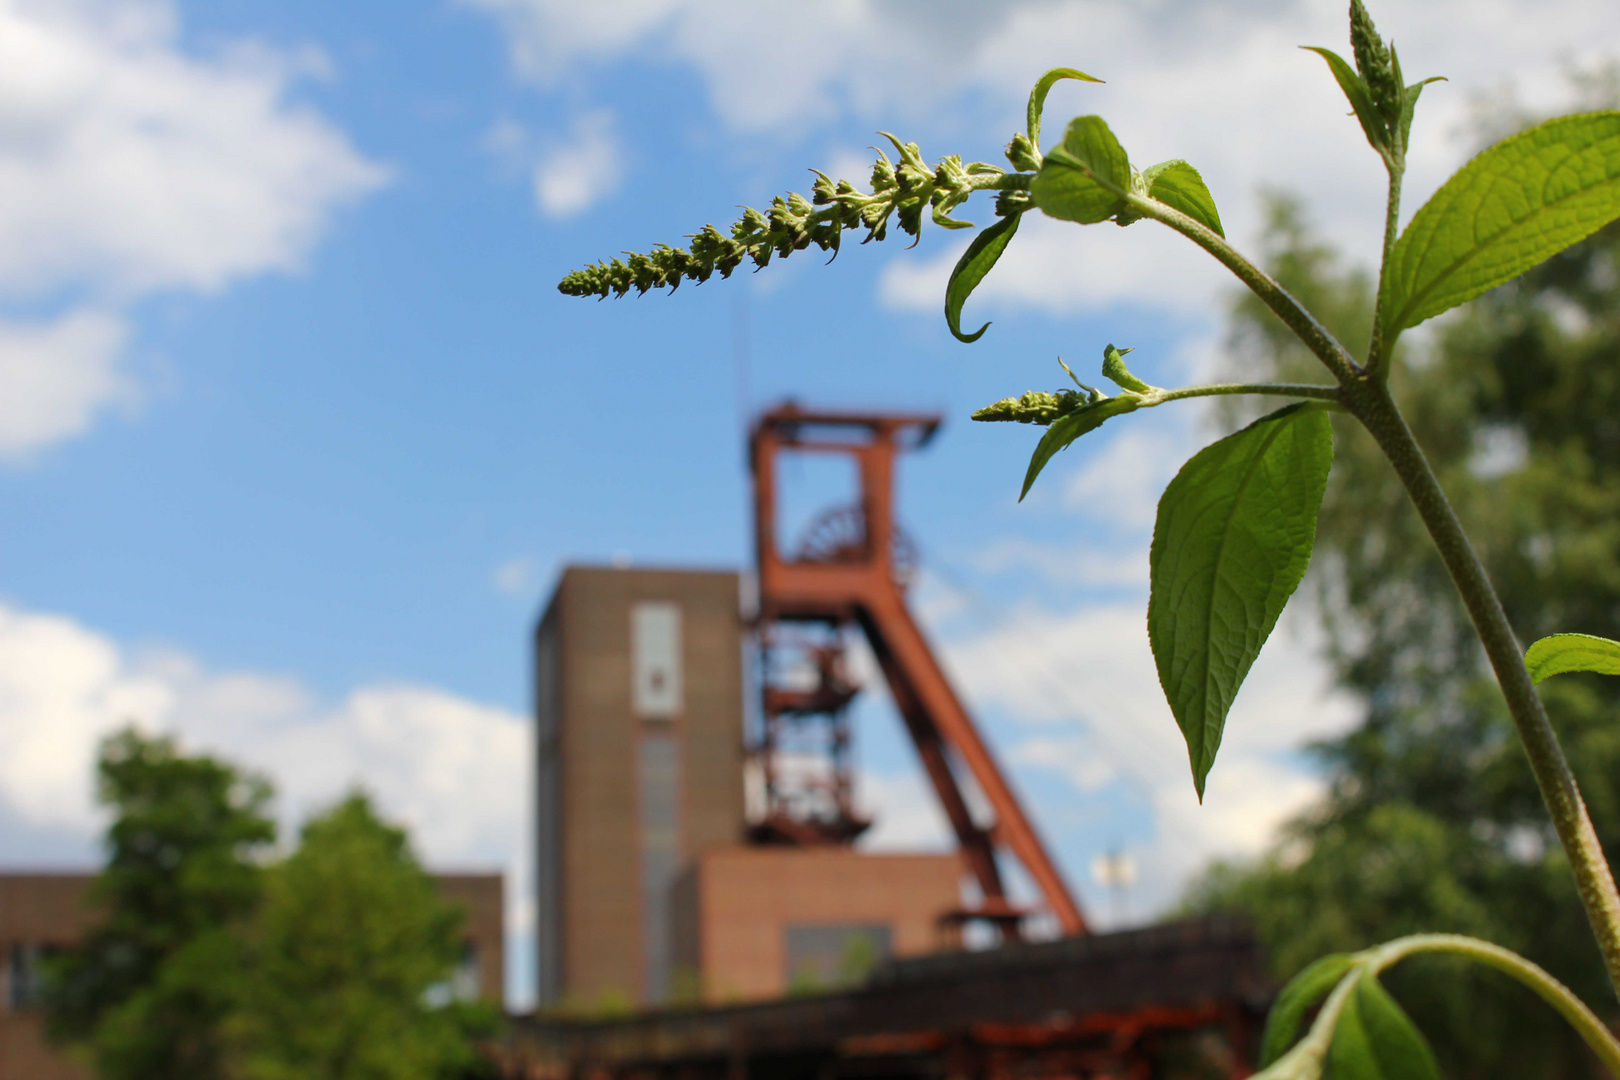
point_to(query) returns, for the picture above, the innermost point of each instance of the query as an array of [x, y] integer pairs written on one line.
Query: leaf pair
[[1089, 177], [1361, 1033], [1372, 1039], [986, 248], [1072, 423]]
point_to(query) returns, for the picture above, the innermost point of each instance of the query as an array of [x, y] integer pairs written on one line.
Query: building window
[[24, 971], [825, 956], [655, 660], [659, 779]]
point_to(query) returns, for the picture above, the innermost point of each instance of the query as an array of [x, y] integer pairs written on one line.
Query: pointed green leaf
[[970, 269], [1302, 993], [1409, 106], [1086, 178], [1524, 200], [1376, 1040], [1372, 125], [1178, 185], [1066, 429], [1037, 98], [1114, 368], [1234, 533], [1572, 652]]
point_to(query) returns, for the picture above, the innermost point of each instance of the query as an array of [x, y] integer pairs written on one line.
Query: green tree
[[1431, 821], [146, 994], [351, 957]]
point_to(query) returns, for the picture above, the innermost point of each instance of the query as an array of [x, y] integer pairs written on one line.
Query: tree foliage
[[351, 945], [147, 991], [210, 963], [1432, 821]]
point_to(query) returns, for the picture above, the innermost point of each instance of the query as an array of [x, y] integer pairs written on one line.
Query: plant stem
[[1549, 989], [1369, 400], [1302, 390], [1378, 352], [1366, 396], [1262, 284]]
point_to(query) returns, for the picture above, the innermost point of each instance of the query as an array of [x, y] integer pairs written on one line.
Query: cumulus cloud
[[1221, 85], [128, 167], [572, 177], [62, 687], [1081, 686], [765, 64], [514, 577], [454, 771], [56, 376], [905, 813]]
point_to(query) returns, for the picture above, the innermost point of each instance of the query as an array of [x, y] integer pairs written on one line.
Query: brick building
[[646, 890]]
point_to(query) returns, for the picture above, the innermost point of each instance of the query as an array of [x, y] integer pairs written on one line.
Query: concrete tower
[[639, 724]]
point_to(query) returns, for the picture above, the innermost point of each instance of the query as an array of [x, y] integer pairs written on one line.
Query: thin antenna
[[741, 359]]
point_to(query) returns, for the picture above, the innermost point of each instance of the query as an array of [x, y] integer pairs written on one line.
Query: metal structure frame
[[852, 574], [1178, 999]]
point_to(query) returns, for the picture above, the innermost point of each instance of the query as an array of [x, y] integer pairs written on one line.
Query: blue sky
[[295, 429]]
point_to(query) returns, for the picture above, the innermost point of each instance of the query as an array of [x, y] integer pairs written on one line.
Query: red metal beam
[[864, 586]]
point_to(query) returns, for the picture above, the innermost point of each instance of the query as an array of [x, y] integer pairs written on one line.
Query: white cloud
[[905, 813], [1221, 85], [1118, 484], [573, 176], [514, 577], [55, 377], [61, 688], [454, 771], [1052, 266], [765, 64], [1084, 682], [1094, 565], [127, 167]]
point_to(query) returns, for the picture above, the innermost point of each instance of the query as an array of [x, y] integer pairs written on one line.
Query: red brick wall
[[745, 898]]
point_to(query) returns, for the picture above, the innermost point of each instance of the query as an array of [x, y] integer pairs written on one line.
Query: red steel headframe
[[861, 586]]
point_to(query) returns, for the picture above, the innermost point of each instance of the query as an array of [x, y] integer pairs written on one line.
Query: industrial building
[[656, 882], [647, 889], [703, 910]]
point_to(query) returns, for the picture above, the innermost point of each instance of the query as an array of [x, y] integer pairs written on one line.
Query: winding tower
[[849, 573]]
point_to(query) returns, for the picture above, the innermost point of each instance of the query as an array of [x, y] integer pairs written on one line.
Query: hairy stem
[[1378, 352], [1274, 296], [1369, 400], [1273, 389], [1549, 989], [1367, 397]]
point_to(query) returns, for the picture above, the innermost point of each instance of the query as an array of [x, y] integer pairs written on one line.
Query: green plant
[[1236, 527], [149, 990], [1428, 820], [349, 954]]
